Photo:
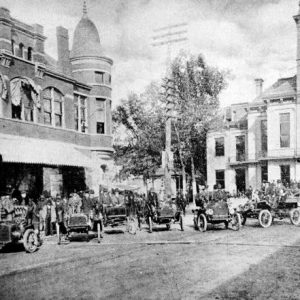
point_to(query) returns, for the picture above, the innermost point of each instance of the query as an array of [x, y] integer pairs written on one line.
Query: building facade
[[260, 140], [55, 115]]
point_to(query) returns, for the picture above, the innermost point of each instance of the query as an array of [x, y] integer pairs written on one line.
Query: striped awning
[[18, 149]]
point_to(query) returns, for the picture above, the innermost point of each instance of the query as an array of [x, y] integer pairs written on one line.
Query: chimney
[[259, 86], [63, 51]]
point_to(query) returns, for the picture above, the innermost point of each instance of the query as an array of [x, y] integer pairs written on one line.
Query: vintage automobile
[[119, 216], [165, 215], [216, 212], [267, 209], [14, 228]]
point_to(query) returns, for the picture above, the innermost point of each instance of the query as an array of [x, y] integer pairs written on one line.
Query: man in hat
[[49, 217], [60, 215]]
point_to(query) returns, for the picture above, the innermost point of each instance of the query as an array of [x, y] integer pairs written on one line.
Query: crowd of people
[[270, 191]]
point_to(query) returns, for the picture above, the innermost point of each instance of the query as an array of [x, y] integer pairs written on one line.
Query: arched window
[[53, 107], [29, 53], [23, 98], [21, 50], [13, 47]]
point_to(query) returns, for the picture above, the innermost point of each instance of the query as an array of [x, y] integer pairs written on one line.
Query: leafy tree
[[196, 90], [140, 118]]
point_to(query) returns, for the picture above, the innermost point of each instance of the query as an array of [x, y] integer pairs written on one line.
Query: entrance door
[[240, 180]]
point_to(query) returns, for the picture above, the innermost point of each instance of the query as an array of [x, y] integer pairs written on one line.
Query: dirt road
[[162, 265]]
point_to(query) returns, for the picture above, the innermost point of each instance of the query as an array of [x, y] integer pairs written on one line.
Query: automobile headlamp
[[210, 211]]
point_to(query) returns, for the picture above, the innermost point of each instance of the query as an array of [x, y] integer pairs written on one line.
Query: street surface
[[217, 264]]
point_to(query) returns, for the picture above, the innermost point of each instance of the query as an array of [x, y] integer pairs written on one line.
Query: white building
[[261, 139]]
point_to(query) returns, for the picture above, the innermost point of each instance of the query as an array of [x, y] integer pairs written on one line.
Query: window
[[220, 180], [21, 50], [80, 113], [100, 128], [13, 47], [53, 107], [264, 173], [264, 136], [29, 53], [240, 148], [100, 103], [22, 100], [285, 130], [285, 174], [99, 77], [107, 78], [219, 146]]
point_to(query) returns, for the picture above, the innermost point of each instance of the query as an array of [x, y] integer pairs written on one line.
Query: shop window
[[219, 146], [53, 107], [99, 77], [240, 148], [100, 128], [80, 113], [100, 103], [285, 174], [220, 178], [29, 53], [285, 130]]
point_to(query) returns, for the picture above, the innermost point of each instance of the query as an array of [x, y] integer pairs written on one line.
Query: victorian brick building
[[55, 116], [260, 140]]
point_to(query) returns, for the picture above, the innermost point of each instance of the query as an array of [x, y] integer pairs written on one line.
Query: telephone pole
[[168, 36]]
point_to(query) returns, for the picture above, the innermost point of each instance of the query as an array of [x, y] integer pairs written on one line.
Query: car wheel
[[181, 223], [202, 222], [150, 224], [236, 222], [265, 218], [295, 216], [30, 241]]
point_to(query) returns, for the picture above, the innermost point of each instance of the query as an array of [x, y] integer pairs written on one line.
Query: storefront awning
[[39, 151]]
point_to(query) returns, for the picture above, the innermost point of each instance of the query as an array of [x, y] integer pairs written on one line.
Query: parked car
[[119, 216], [216, 212], [165, 215], [14, 229], [267, 210]]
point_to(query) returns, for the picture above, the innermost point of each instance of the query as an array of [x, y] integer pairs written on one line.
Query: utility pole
[[168, 36]]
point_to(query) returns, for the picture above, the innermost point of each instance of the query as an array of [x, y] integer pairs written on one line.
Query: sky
[[249, 38]]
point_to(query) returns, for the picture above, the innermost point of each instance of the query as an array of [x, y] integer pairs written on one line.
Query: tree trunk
[[183, 181], [193, 181]]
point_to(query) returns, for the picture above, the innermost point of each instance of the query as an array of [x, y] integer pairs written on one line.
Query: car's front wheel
[[30, 241], [202, 222], [265, 218]]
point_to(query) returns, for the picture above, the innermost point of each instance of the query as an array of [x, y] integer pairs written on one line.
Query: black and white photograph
[[150, 149]]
